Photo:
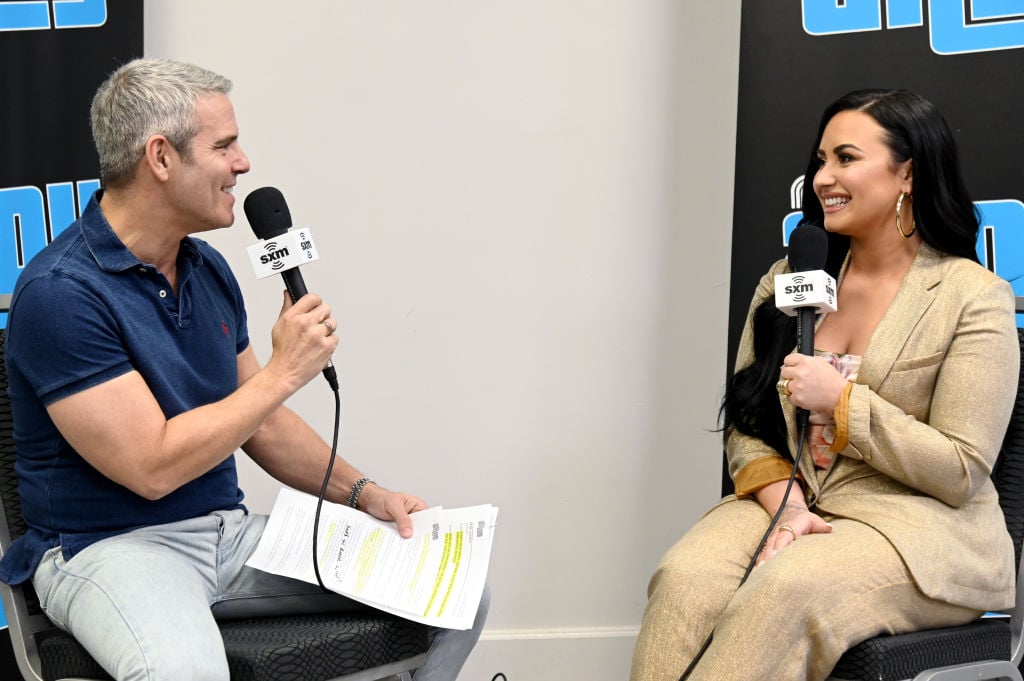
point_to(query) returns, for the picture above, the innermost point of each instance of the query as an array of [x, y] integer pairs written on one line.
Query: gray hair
[[147, 97]]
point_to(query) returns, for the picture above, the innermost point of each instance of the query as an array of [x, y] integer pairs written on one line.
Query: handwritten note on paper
[[435, 577]]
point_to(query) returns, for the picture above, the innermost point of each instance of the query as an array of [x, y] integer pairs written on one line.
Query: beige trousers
[[795, 615]]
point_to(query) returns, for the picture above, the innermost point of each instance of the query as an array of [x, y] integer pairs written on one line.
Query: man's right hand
[[303, 342]]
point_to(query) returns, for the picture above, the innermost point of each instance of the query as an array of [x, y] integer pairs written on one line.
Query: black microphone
[[268, 215], [808, 289], [808, 250]]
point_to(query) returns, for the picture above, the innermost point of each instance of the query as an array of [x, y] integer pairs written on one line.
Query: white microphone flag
[[815, 288], [289, 250]]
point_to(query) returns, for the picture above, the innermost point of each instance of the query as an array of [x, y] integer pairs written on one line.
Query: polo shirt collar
[[108, 251]]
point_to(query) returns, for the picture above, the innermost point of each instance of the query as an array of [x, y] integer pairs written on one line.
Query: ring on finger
[[787, 528], [331, 328]]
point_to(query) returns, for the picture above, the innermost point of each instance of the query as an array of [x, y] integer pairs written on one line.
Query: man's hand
[[303, 338], [384, 504]]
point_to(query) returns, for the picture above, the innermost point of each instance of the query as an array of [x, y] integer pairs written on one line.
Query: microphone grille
[[808, 247], [267, 212]]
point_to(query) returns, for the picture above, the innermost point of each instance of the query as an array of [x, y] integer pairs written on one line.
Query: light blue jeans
[[144, 603]]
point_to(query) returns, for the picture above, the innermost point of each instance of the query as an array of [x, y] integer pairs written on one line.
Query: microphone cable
[[327, 479], [760, 546]]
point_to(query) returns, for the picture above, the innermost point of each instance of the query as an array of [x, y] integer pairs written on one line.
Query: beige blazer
[[928, 412]]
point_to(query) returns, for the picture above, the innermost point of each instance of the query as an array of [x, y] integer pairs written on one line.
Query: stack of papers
[[435, 577]]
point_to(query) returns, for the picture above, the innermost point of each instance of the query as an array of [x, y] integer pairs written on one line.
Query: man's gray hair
[[147, 97]]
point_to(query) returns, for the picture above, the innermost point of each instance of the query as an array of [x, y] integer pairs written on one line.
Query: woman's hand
[[813, 383], [795, 522]]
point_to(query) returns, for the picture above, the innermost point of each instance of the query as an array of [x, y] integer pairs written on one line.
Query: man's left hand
[[387, 505]]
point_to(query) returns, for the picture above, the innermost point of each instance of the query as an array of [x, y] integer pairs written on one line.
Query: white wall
[[523, 211]]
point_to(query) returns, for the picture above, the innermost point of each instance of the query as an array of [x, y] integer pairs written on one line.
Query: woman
[[893, 524]]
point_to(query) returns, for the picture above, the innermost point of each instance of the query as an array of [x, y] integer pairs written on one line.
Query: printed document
[[435, 577]]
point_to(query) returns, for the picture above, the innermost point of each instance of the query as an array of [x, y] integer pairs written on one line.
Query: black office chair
[[986, 649], [360, 647]]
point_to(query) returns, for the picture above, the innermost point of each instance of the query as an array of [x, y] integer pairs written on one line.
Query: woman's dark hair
[[943, 213], [914, 130]]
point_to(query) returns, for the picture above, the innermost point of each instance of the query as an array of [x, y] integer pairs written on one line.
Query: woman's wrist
[[793, 509]]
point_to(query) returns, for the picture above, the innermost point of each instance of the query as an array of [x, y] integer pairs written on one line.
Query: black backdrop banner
[[797, 56], [53, 56]]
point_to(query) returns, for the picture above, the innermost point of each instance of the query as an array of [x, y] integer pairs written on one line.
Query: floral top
[[822, 432]]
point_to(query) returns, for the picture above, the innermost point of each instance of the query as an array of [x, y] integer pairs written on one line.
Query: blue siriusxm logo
[[35, 15], [28, 223], [956, 26]]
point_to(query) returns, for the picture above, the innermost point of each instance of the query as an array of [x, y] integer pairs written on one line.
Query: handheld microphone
[[268, 215], [807, 290]]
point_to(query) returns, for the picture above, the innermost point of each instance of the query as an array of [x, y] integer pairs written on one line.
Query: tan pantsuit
[[796, 614], [919, 539]]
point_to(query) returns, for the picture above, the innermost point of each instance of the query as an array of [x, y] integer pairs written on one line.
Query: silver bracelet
[[353, 497]]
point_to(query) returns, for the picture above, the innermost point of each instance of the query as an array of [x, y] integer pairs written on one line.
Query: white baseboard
[[552, 655]]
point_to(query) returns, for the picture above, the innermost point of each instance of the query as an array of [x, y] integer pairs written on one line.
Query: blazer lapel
[[915, 295]]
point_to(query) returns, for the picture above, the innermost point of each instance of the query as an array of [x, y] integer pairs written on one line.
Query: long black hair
[[943, 213]]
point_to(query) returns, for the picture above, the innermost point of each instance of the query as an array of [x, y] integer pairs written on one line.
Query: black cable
[[760, 546], [327, 479]]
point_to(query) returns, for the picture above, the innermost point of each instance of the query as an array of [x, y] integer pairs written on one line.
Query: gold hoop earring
[[899, 219]]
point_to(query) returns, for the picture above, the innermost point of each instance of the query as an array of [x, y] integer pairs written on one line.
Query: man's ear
[[159, 155]]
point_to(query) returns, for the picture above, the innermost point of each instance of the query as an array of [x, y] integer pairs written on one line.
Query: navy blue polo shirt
[[84, 311]]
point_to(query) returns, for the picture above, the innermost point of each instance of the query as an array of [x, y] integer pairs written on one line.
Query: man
[[133, 382]]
